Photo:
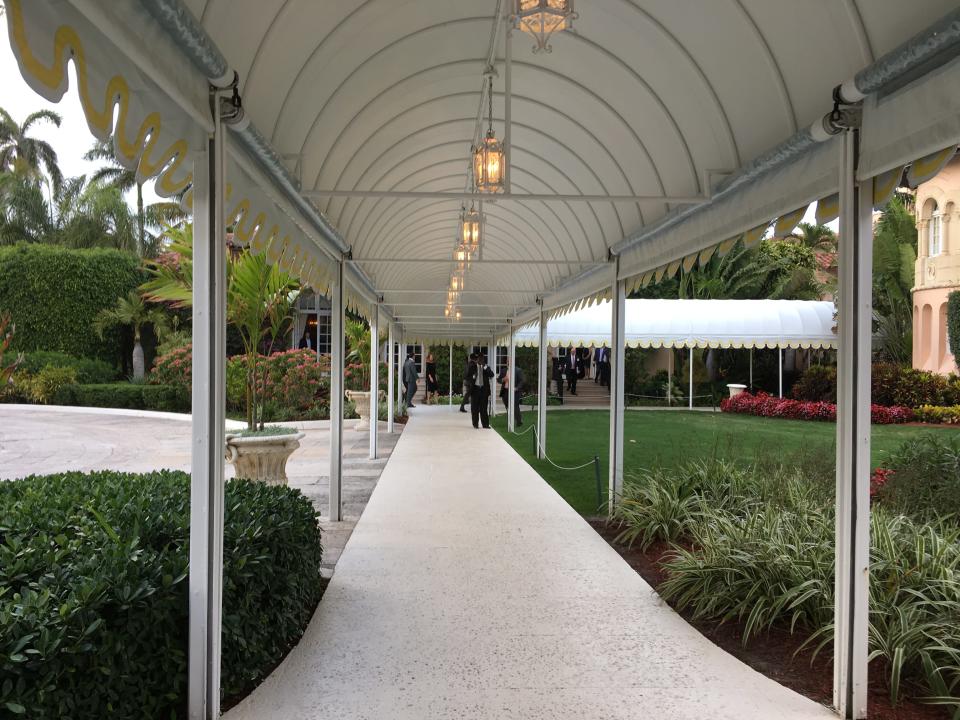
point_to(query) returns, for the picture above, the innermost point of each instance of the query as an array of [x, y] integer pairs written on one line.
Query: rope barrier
[[547, 457]]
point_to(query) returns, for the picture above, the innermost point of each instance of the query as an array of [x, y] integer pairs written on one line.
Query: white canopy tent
[[695, 324], [335, 135]]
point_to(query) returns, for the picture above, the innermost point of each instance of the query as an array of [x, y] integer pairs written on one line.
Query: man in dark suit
[[518, 380], [465, 398], [605, 369], [572, 369], [558, 374], [480, 374]]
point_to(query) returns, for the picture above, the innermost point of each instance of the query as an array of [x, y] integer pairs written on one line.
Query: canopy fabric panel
[[696, 323]]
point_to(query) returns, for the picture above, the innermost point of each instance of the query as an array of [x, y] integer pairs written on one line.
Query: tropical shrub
[[132, 396], [39, 282], [938, 415], [817, 384], [46, 384], [925, 478], [93, 591], [953, 322], [88, 370], [765, 405], [901, 385], [173, 368], [758, 546]]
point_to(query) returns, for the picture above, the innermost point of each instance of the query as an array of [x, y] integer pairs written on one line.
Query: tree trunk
[[140, 221], [137, 361]]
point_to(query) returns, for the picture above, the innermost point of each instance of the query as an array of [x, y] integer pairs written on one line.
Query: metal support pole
[[207, 430], [450, 378], [374, 377], [853, 437], [391, 397], [617, 348], [670, 378], [780, 371], [335, 511], [542, 385], [507, 102], [493, 385], [751, 369], [690, 399], [399, 371], [511, 383]]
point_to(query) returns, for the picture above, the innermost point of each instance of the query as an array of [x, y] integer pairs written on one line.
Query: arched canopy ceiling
[[642, 98]]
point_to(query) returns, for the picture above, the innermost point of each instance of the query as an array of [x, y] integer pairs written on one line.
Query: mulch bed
[[771, 653]]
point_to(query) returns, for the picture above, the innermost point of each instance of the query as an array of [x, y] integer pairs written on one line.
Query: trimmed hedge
[[54, 293], [93, 591], [132, 396], [88, 371], [953, 323], [939, 415]]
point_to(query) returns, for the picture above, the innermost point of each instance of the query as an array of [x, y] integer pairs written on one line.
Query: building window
[[935, 232]]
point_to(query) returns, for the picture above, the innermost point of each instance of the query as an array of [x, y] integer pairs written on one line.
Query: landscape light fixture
[[488, 157], [542, 18]]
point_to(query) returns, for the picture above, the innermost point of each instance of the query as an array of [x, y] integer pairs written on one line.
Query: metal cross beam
[[445, 260]]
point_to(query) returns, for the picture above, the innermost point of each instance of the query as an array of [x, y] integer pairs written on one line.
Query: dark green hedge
[[953, 323], [54, 293], [130, 396], [88, 371], [93, 591]]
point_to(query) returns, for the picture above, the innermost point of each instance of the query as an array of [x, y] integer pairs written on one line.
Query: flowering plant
[[766, 405]]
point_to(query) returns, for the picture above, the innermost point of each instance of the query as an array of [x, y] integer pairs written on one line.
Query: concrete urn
[[262, 458], [361, 400], [735, 389]]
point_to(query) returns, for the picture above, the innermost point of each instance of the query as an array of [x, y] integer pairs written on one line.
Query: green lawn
[[666, 438]]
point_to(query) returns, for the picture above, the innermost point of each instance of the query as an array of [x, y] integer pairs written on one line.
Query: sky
[[72, 139]]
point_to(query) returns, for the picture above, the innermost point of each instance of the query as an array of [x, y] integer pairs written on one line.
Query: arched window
[[935, 232]]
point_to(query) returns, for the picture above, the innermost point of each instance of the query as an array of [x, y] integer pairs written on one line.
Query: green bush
[[925, 482], [953, 322], [93, 591], [937, 415], [54, 293], [88, 370], [817, 384], [46, 384], [131, 396]]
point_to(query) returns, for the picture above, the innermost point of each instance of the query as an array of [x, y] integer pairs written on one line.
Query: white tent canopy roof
[[697, 323]]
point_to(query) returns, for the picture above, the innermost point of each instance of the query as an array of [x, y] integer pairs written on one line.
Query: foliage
[[259, 301], [901, 385], [953, 322], [267, 431], [132, 396], [357, 335], [46, 384], [815, 237], [949, 415], [817, 384], [25, 156], [93, 591], [774, 407], [926, 478], [132, 311], [174, 368], [757, 546], [7, 369], [894, 257], [53, 295], [88, 370]]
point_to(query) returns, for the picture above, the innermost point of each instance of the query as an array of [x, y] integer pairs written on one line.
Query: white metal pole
[[670, 378], [780, 371], [511, 378], [690, 400], [507, 102], [853, 437], [542, 384], [617, 364], [374, 377], [450, 378], [401, 346], [335, 511], [207, 431], [493, 385], [751, 369], [391, 398]]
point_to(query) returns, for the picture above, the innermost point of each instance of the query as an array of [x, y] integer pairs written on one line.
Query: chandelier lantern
[[488, 156], [542, 18]]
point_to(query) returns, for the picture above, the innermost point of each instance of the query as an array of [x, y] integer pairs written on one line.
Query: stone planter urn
[[361, 400], [735, 389], [263, 457]]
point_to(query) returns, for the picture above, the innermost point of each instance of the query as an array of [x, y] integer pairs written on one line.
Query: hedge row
[[88, 371], [891, 384], [93, 591], [54, 293], [765, 405], [169, 398]]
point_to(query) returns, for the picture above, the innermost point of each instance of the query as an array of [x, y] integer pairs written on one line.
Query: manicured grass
[[669, 437]]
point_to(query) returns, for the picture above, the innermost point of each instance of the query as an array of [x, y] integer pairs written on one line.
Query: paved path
[[470, 590], [39, 440]]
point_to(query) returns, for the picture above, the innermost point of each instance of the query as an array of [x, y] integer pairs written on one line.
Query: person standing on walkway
[[558, 373], [506, 377], [572, 369], [433, 387], [467, 382], [480, 375], [410, 376]]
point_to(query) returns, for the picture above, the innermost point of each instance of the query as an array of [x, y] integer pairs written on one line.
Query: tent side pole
[[335, 512], [751, 369], [780, 371], [542, 384], [690, 401], [511, 376], [391, 397], [450, 377], [374, 377], [617, 365]]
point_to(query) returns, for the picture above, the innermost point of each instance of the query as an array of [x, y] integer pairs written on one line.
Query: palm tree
[[358, 340], [259, 301], [133, 312], [114, 174], [27, 156], [815, 236]]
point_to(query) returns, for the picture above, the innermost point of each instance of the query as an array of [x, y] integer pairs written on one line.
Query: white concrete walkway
[[469, 589]]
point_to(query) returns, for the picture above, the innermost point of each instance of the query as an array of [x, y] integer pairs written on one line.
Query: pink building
[[937, 269]]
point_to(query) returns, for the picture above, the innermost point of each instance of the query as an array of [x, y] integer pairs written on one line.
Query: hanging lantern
[[470, 230], [456, 283], [488, 157], [462, 256], [542, 18]]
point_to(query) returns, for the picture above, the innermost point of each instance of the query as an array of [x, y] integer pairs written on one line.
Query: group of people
[[576, 365]]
